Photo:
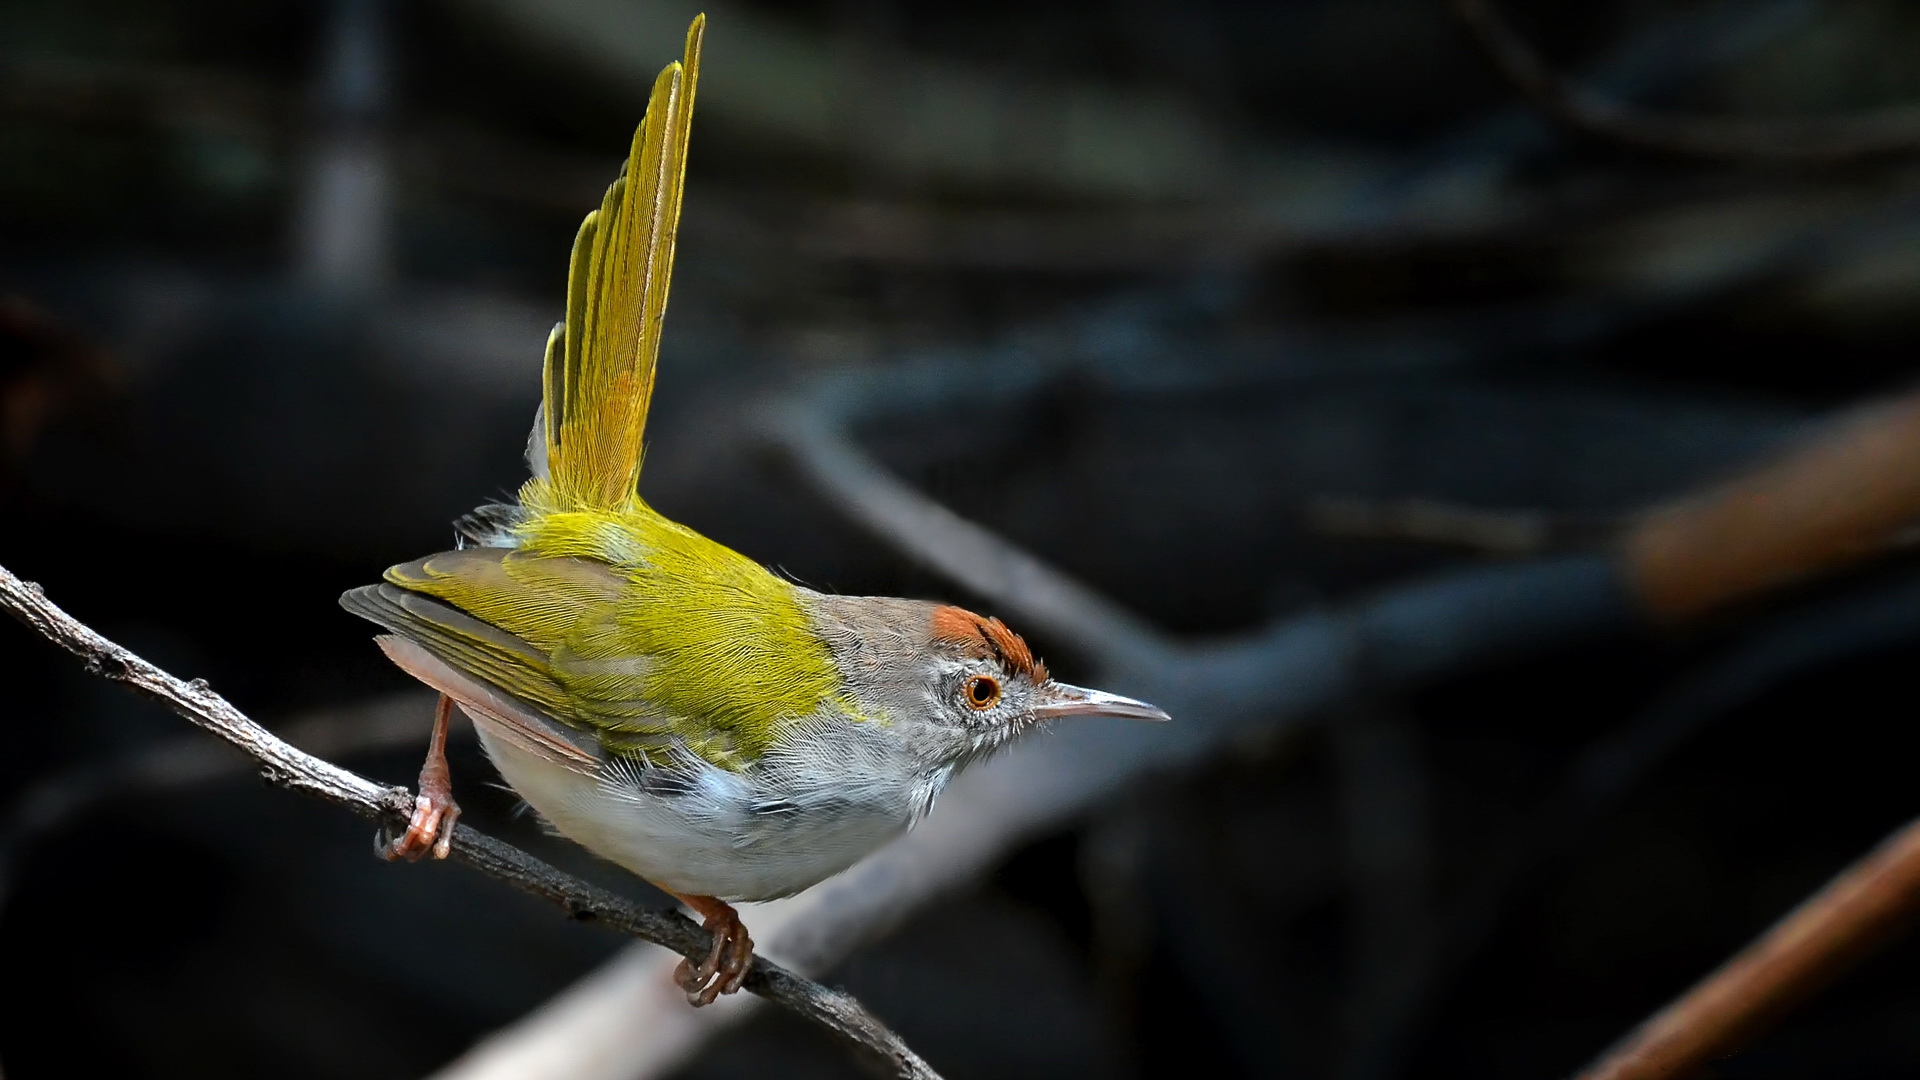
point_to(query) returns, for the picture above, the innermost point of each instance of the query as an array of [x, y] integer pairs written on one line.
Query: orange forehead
[[988, 638]]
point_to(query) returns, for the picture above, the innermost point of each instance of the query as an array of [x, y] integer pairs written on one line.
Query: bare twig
[[289, 767], [1826, 142], [1803, 952]]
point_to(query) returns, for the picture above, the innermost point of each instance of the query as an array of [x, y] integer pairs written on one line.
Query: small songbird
[[663, 701]]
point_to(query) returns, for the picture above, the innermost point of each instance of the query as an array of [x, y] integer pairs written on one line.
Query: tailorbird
[[660, 699]]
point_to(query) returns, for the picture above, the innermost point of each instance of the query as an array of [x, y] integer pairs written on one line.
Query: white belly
[[735, 836]]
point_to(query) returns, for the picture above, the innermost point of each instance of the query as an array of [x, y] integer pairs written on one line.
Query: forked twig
[[289, 767]]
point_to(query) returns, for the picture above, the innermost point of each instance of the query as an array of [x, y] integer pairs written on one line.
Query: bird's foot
[[430, 831], [727, 963], [434, 811]]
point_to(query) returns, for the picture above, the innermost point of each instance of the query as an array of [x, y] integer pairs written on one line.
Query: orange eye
[[982, 692]]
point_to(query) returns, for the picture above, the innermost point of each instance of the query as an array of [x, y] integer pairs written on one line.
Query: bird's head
[[969, 681]]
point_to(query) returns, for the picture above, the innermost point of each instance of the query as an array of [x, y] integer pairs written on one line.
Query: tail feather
[[598, 378]]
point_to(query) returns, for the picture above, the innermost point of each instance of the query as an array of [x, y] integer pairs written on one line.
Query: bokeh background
[[1302, 304]]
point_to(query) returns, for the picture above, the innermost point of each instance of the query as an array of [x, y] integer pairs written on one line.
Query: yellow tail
[[600, 363]]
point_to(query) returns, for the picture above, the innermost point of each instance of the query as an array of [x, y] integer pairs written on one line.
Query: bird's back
[[638, 630]]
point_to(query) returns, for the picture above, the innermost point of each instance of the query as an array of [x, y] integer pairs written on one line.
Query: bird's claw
[[430, 831], [726, 965]]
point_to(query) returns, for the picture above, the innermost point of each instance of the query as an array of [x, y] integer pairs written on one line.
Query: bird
[[717, 729]]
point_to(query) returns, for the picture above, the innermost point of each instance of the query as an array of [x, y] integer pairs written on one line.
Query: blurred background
[[1245, 315]]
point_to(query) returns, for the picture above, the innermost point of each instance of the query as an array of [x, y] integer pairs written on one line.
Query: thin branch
[[1827, 142], [1821, 938], [813, 431], [291, 768], [1511, 533]]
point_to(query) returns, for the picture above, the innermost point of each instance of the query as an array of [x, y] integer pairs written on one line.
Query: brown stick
[[289, 767], [1822, 937], [1847, 493]]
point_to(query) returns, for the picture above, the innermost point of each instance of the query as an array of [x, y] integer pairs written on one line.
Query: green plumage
[[600, 612], [637, 629]]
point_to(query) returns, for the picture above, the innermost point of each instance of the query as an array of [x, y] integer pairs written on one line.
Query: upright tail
[[598, 382]]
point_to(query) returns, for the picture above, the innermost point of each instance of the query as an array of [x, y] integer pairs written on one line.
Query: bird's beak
[[1059, 699]]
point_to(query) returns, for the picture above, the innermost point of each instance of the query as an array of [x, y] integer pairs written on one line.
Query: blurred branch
[[344, 242], [1830, 142], [1824, 936], [1882, 616], [1495, 532], [1053, 603], [1849, 492], [284, 765]]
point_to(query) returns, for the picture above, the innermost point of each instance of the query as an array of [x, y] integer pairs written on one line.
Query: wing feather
[[511, 719], [497, 678]]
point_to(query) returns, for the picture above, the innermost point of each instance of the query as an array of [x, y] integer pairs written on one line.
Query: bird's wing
[[498, 679], [547, 632], [600, 363]]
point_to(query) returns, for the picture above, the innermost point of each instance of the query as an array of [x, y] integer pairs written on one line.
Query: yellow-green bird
[[665, 702]]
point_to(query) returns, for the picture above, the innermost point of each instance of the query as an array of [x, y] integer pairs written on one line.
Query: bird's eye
[[982, 692]]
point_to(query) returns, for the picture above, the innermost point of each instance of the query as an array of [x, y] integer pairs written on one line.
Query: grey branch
[[289, 767], [813, 430]]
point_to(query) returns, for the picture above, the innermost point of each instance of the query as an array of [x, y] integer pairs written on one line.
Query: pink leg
[[434, 811], [726, 967]]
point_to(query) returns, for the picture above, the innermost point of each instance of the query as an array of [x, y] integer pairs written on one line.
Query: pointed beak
[[1056, 699]]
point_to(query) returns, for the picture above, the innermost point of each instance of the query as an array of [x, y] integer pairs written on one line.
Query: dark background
[[276, 279]]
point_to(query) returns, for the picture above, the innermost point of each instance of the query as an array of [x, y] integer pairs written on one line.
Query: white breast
[[798, 817]]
